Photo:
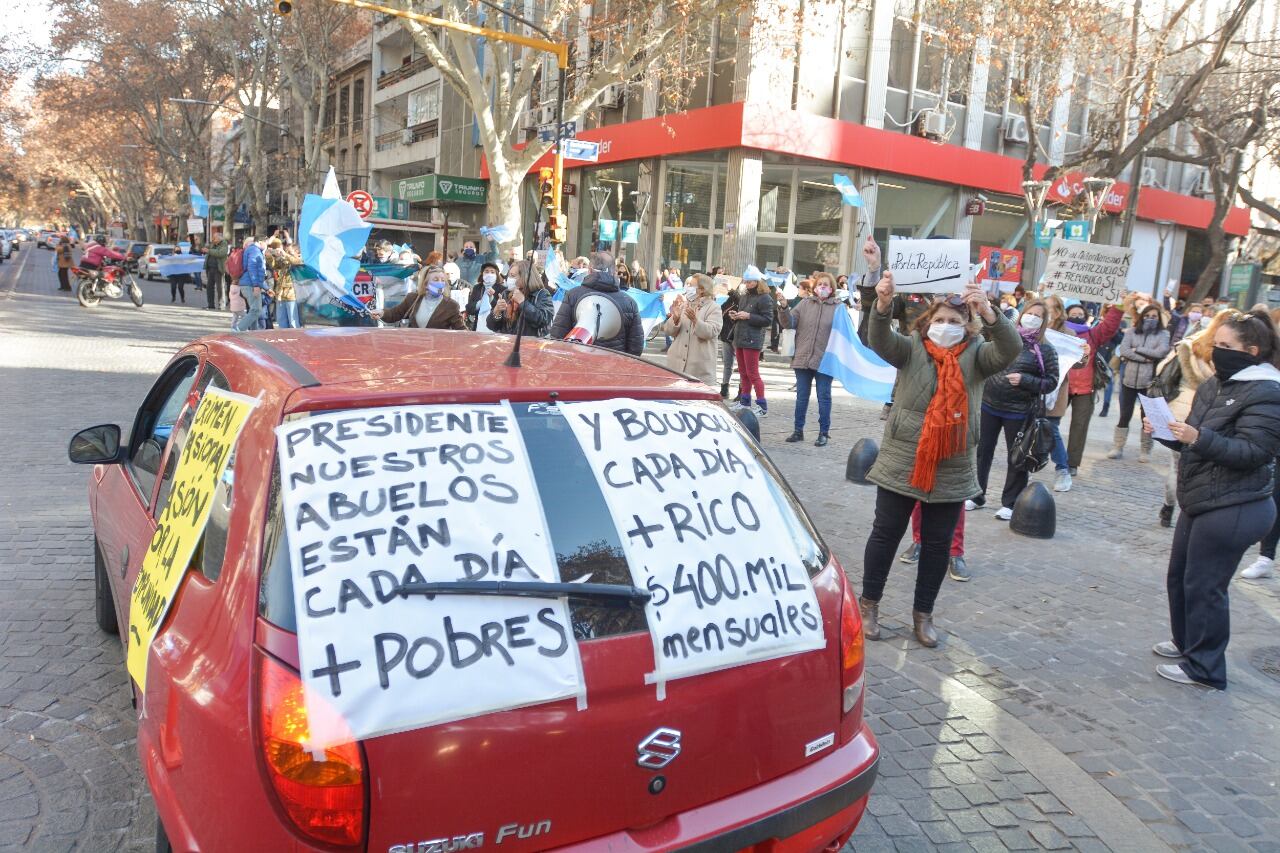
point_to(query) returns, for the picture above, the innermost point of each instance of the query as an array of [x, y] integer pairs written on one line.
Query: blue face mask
[[468, 253], [435, 288]]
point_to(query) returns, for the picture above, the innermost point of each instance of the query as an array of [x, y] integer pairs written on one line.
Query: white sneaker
[[970, 506], [1063, 482], [1261, 568], [1004, 514]]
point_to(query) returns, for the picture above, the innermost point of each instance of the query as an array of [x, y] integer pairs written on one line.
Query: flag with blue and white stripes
[[199, 205], [862, 373], [652, 309]]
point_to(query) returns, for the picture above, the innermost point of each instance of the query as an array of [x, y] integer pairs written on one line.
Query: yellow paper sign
[[213, 434]]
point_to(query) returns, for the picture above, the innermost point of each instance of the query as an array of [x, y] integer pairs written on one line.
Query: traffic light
[[283, 7], [556, 228], [546, 187]]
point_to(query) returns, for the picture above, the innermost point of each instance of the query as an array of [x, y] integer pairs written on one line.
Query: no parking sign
[[362, 202]]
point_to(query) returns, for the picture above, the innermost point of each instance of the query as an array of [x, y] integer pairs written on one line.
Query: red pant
[[957, 540], [749, 373]]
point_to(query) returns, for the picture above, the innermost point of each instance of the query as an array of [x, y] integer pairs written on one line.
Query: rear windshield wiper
[[599, 594]]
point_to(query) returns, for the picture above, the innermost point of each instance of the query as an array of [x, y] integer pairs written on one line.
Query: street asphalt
[[1038, 722]]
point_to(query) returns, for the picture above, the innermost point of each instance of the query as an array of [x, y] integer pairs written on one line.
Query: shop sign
[[443, 189], [997, 264], [1068, 187], [399, 208], [1076, 229], [975, 207], [382, 207], [1242, 279], [218, 212]]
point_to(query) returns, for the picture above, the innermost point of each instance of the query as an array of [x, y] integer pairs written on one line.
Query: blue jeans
[[1059, 452], [804, 381], [1106, 394], [287, 315], [254, 305]]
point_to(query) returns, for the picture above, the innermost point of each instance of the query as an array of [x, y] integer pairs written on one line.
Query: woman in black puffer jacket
[[1009, 397], [1225, 479]]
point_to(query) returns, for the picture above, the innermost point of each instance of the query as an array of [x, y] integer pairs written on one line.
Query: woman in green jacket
[[928, 454]]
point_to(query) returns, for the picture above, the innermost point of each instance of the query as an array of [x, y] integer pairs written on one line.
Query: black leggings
[[1272, 538], [1014, 480], [1207, 547], [1128, 396], [937, 526]]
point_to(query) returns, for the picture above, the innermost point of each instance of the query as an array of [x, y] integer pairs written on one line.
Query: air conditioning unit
[[1148, 176], [614, 96], [1204, 185], [931, 124], [1015, 129], [406, 137], [546, 114], [529, 120]]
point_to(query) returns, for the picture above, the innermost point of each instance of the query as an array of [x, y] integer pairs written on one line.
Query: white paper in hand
[[1156, 410]]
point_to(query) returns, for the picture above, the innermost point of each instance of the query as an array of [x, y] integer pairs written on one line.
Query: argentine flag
[[862, 373], [330, 237], [652, 309], [556, 276], [199, 205]]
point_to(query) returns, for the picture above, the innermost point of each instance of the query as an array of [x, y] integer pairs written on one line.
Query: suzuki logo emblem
[[659, 749]]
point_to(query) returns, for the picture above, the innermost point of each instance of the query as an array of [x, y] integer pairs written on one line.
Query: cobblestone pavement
[[1037, 724]]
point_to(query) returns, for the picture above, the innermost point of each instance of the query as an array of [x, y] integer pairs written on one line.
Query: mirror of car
[[96, 445]]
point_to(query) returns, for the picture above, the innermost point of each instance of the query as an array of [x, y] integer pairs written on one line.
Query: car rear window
[[583, 532], [162, 250]]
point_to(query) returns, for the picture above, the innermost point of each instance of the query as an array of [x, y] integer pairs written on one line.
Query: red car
[[770, 753]]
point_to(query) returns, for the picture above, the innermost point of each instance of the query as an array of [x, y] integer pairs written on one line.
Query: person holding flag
[[811, 319], [928, 453]]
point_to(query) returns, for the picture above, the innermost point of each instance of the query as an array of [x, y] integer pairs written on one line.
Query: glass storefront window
[[688, 196], [628, 173], [818, 203], [687, 252], [775, 199], [812, 256], [1003, 225], [918, 209], [771, 252]]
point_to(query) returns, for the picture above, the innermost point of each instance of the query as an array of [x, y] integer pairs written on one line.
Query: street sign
[[569, 130], [382, 207], [362, 202], [399, 208], [546, 132], [577, 149]]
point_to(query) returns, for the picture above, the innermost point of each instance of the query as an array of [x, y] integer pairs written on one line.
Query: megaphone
[[595, 318]]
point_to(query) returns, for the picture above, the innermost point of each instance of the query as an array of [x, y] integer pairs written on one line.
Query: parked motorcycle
[[111, 281]]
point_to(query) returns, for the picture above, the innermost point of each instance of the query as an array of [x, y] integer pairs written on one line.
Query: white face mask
[[823, 292], [512, 281], [691, 293], [946, 335], [489, 278], [1030, 321]]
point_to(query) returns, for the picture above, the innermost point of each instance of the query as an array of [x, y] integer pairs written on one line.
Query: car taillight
[[851, 670], [321, 790]]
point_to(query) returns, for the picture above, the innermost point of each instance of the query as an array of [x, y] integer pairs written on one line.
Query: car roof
[[334, 362]]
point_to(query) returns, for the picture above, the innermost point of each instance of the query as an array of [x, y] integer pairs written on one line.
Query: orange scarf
[[946, 422]]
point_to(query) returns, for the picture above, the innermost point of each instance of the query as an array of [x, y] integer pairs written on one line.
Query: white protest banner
[[929, 266], [703, 533], [376, 499], [1091, 272]]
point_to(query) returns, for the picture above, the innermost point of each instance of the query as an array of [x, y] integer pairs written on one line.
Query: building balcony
[[404, 72], [404, 146]]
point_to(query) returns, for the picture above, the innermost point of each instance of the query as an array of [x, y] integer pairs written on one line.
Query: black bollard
[[861, 458], [1034, 512], [750, 421]]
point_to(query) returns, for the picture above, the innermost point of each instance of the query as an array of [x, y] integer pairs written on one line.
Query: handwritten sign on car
[[929, 266], [703, 532], [1090, 272], [377, 500]]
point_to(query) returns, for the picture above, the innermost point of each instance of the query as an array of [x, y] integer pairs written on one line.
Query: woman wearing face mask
[[753, 316], [1078, 390], [693, 323], [927, 453], [811, 320], [525, 295], [487, 287], [1007, 400], [1226, 477], [1144, 345], [430, 307]]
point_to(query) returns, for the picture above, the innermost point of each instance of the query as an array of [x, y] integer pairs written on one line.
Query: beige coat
[[694, 345], [1194, 371]]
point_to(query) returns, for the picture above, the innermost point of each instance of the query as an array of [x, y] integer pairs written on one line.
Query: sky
[[27, 25]]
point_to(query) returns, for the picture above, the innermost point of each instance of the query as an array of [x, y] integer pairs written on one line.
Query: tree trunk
[[504, 205]]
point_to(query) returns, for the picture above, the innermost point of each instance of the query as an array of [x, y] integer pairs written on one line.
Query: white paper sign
[[929, 266], [702, 532], [1156, 410], [1070, 350], [1091, 272], [378, 498]]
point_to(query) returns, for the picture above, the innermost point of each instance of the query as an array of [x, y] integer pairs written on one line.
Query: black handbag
[[1102, 372], [1033, 445]]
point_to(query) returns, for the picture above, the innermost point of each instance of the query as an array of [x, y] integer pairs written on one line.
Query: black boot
[[795, 436], [724, 390], [1166, 515]]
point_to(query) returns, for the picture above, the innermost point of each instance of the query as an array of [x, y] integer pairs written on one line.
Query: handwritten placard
[[929, 266], [214, 428], [376, 499], [1088, 271], [702, 532]]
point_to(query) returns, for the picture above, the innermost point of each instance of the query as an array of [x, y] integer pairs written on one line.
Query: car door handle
[[124, 561]]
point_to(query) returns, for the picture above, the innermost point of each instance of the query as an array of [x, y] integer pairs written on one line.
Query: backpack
[[235, 263]]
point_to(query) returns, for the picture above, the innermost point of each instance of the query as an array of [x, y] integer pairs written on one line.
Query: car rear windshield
[[162, 250], [583, 532]]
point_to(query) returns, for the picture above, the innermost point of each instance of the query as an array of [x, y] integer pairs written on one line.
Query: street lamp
[[599, 202], [1035, 193], [640, 198], [1096, 191]]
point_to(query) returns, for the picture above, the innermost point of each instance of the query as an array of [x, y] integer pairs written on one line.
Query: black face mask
[[1228, 362]]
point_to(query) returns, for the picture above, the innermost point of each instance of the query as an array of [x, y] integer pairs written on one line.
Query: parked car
[[6, 246], [770, 751], [47, 239], [147, 266], [16, 239]]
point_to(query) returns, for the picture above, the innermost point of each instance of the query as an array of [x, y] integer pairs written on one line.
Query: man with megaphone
[[598, 312]]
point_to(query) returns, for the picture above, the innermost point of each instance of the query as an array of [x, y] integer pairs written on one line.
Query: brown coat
[[446, 315]]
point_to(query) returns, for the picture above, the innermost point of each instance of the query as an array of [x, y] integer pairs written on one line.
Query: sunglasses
[[955, 300]]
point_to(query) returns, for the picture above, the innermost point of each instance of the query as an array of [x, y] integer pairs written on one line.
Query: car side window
[[213, 545], [154, 424], [211, 376]]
